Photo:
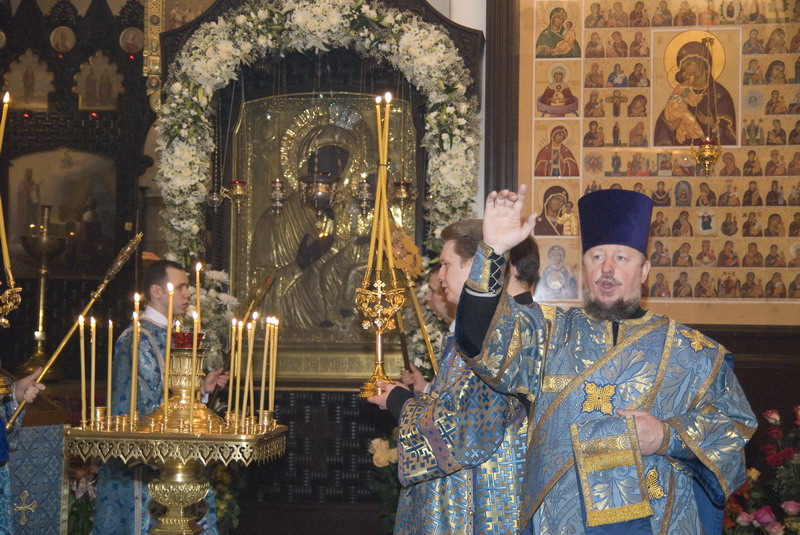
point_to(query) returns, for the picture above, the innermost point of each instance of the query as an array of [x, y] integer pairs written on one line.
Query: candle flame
[[6, 98], [255, 316], [136, 298], [92, 321], [249, 326], [110, 323], [194, 315], [81, 320], [170, 287], [240, 324], [233, 322], [198, 267], [178, 325], [377, 100], [388, 97]]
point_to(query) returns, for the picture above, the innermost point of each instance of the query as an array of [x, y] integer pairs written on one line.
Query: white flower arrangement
[[209, 61]]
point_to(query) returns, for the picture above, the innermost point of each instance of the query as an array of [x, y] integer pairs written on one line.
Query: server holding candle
[[118, 510]]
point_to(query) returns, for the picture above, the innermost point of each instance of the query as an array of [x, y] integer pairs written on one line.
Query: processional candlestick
[[378, 304], [382, 296]]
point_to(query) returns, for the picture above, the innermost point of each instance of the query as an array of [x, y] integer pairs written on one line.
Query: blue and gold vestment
[[9, 405], [462, 472], [584, 468], [122, 505]]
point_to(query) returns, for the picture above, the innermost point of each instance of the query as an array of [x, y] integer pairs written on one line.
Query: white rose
[[175, 88]]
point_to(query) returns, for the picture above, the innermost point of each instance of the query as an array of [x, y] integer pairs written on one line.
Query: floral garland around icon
[[211, 57]]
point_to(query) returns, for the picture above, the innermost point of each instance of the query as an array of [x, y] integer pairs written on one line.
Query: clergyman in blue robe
[[637, 423]]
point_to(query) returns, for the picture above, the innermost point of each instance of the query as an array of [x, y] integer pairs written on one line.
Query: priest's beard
[[616, 311]]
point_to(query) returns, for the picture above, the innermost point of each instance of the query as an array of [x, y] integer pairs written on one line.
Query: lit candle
[[6, 100], [93, 338], [168, 356], [239, 327], [264, 357], [134, 367], [384, 206], [377, 192], [197, 270], [193, 371], [110, 359], [251, 383], [81, 321], [249, 369], [177, 326], [231, 365], [3, 239], [136, 299], [273, 363]]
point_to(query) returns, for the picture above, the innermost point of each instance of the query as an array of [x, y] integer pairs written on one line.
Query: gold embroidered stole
[[573, 383]]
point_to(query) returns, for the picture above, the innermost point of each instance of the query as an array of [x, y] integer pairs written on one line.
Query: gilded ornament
[[654, 490], [697, 339], [598, 398]]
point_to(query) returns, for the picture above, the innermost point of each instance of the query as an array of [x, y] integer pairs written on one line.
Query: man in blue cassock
[[456, 478], [122, 496], [27, 389], [637, 423]]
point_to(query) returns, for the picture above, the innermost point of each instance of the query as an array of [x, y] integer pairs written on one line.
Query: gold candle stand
[[177, 452], [43, 248]]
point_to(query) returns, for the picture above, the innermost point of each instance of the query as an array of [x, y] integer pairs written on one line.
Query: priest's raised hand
[[503, 226]]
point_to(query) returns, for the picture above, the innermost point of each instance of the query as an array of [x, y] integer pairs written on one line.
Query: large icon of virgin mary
[[699, 106]]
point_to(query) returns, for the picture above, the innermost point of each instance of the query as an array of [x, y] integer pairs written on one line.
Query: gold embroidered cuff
[[664, 448], [486, 276]]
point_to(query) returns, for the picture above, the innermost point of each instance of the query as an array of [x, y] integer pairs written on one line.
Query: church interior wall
[[761, 331]]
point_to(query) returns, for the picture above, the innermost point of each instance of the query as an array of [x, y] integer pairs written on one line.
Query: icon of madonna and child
[[559, 39], [699, 106]]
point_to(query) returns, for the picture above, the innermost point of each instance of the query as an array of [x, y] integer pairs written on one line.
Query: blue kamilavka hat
[[615, 216]]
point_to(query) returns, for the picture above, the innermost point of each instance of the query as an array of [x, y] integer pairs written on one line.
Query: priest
[[638, 423]]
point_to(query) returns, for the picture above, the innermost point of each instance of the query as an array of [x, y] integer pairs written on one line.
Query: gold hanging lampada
[[709, 150], [377, 302]]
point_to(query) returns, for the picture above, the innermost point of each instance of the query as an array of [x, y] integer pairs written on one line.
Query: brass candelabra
[[180, 437]]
